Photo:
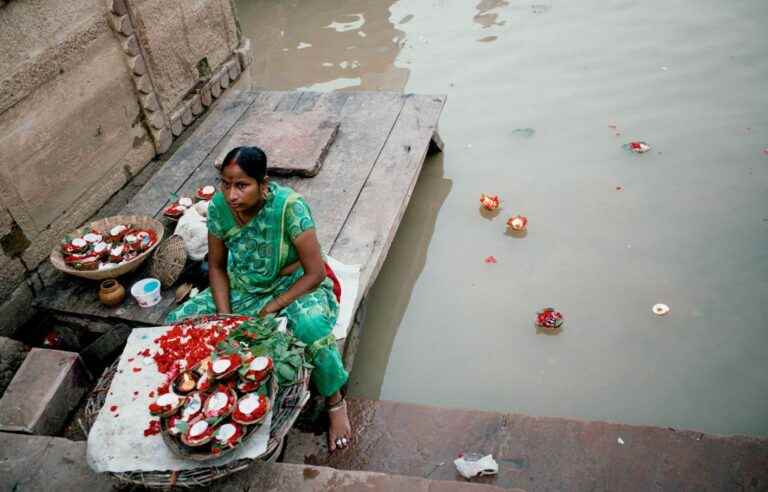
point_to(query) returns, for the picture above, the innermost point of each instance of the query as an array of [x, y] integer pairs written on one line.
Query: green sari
[[257, 251]]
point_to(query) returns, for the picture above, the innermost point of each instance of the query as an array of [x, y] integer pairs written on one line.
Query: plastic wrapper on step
[[472, 465]]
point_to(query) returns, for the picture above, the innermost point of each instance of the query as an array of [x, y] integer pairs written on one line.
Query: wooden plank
[[373, 222], [207, 174], [153, 195], [366, 119]]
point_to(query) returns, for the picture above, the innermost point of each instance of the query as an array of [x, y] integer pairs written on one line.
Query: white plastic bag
[[193, 229]]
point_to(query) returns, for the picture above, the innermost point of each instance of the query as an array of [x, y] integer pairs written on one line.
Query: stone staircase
[[537, 453]]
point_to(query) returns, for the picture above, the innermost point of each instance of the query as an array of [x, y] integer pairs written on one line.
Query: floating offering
[[518, 223], [490, 260], [185, 202], [549, 319], [490, 202], [638, 147], [660, 309]]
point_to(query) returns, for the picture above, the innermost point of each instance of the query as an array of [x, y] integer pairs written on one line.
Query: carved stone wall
[[90, 91]]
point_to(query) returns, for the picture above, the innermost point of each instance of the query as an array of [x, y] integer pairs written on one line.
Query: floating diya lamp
[[258, 370], [220, 403], [166, 404], [228, 434], [251, 409], [490, 202], [638, 147], [660, 309], [518, 223], [549, 319], [92, 238], [200, 432]]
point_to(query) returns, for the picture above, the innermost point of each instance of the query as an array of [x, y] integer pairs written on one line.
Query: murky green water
[[689, 226]]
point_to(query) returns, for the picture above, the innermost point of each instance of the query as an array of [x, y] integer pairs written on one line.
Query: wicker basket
[[168, 261], [138, 221], [289, 402]]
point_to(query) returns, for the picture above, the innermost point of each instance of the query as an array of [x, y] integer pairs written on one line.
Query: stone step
[[537, 453], [41, 463], [46, 388]]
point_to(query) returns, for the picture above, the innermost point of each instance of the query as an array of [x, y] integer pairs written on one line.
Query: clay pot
[[111, 293]]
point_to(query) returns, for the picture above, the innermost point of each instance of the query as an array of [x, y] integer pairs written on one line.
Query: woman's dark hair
[[252, 160]]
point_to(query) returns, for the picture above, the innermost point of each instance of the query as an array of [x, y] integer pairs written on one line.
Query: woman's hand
[[270, 308]]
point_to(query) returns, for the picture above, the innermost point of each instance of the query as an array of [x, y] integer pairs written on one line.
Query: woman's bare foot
[[339, 430]]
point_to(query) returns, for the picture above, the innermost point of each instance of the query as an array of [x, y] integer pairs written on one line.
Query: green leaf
[[182, 426]]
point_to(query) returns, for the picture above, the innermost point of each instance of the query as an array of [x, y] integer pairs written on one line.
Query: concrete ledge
[[47, 387], [538, 453], [40, 463]]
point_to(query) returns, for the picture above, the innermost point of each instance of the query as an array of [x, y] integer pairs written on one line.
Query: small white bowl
[[146, 292]]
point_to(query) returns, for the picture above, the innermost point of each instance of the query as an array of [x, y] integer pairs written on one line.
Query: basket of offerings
[[108, 248], [223, 375]]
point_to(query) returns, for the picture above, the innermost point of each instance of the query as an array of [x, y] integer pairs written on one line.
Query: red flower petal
[[490, 259]]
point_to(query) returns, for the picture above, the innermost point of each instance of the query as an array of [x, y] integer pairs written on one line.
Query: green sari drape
[[257, 252]]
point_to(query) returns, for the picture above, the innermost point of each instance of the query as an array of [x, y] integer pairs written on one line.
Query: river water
[[541, 98]]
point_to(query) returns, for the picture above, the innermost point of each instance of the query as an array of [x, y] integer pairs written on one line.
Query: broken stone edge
[[161, 125]]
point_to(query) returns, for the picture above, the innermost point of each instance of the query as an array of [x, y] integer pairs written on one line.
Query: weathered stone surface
[[137, 65], [539, 453], [215, 86], [122, 24], [117, 7], [186, 116], [205, 96], [46, 388], [284, 477], [11, 275], [86, 152], [42, 464], [233, 68], [31, 61], [295, 143], [143, 84], [163, 140], [244, 53], [176, 125], [16, 310], [12, 354], [149, 102], [172, 57], [131, 46], [99, 353], [196, 105]]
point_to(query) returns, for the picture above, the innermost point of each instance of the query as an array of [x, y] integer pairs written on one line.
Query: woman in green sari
[[264, 258]]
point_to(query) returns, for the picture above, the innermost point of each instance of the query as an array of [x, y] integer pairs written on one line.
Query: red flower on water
[[490, 202], [136, 369], [490, 260], [548, 318], [113, 408]]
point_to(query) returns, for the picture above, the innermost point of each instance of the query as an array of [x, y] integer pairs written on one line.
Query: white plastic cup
[[146, 292]]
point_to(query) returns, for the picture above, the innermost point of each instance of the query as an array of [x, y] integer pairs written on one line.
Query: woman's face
[[241, 191]]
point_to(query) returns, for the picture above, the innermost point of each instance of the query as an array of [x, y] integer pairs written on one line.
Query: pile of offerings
[[222, 380], [102, 250], [177, 208]]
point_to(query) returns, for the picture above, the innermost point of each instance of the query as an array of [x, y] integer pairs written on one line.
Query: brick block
[[46, 388]]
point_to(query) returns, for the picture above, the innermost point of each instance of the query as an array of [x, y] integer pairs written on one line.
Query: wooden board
[[357, 199]]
